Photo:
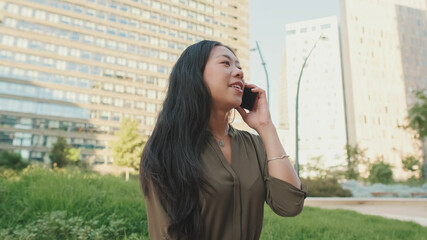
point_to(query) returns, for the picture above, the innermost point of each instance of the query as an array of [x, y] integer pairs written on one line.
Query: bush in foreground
[[325, 187], [65, 197]]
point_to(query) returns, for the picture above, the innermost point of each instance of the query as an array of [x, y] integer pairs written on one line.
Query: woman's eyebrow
[[225, 55]]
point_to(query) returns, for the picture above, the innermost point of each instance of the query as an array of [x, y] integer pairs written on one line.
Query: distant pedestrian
[[202, 178]]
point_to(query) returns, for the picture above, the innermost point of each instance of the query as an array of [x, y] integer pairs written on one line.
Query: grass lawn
[[70, 204]]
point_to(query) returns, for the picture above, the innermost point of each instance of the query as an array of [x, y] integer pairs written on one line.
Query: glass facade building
[[77, 68]]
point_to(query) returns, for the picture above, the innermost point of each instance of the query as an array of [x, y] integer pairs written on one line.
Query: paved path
[[405, 209]]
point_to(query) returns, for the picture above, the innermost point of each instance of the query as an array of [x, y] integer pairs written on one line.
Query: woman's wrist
[[266, 128]]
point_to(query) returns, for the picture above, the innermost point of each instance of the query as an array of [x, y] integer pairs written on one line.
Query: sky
[[267, 26]]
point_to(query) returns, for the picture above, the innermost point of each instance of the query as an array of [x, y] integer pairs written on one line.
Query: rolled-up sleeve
[[284, 199]]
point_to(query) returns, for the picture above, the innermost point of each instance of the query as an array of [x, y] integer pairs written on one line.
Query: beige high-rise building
[[384, 46], [76, 68], [321, 118]]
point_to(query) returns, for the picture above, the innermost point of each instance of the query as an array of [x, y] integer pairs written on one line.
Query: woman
[[203, 179]]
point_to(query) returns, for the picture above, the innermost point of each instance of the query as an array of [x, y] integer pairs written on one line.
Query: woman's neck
[[218, 123]]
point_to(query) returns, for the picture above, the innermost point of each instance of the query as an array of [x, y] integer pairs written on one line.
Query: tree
[[58, 154], [355, 156], [12, 160], [417, 116], [63, 154], [73, 155], [128, 148]]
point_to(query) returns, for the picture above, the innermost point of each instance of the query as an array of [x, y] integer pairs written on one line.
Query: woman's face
[[224, 78]]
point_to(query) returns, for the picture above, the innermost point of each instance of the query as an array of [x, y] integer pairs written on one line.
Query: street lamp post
[[265, 70], [296, 107]]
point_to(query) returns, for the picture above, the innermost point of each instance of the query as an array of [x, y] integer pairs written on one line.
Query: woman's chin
[[237, 104]]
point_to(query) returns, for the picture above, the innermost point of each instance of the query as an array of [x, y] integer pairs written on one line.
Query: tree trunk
[[127, 174]]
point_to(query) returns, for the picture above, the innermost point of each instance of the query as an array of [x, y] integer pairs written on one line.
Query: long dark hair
[[171, 156]]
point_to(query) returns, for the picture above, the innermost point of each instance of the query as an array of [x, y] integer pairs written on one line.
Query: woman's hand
[[259, 116]]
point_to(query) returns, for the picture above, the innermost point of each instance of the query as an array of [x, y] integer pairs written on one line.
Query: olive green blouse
[[234, 208]]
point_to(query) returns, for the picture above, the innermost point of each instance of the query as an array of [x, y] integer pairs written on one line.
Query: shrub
[[380, 172], [325, 187], [65, 197], [57, 225], [12, 160]]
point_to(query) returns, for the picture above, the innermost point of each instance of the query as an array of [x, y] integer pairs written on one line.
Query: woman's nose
[[238, 73]]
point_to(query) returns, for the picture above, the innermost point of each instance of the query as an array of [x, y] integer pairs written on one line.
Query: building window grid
[[71, 81], [36, 60], [124, 20], [101, 43]]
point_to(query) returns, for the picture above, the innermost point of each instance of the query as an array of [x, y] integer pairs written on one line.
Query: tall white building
[[384, 46], [322, 128]]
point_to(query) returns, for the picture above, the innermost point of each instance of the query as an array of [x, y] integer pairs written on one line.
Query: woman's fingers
[[241, 111]]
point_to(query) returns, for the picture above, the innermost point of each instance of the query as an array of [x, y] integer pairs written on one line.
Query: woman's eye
[[226, 63]]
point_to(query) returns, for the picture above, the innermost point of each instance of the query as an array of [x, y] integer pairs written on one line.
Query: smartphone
[[248, 99]]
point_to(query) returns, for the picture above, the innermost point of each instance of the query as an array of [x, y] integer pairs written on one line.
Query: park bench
[[382, 194], [418, 194]]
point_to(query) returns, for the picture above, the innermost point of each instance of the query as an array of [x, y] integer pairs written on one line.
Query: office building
[[384, 45], [322, 130], [77, 68]]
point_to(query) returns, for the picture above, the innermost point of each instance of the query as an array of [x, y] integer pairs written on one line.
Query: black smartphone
[[248, 99]]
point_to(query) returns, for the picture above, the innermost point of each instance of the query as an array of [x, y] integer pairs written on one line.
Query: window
[[90, 12], [121, 61], [90, 25], [65, 20], [325, 26], [54, 18], [8, 40], [96, 99], [119, 88], [27, 12], [100, 42], [77, 22], [12, 8], [108, 86], [105, 115], [130, 89], [101, 28], [107, 100]]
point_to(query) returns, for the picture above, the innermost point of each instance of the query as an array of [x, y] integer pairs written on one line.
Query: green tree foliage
[[355, 156], [410, 163], [63, 154], [417, 117], [12, 160], [128, 148], [73, 155], [380, 172]]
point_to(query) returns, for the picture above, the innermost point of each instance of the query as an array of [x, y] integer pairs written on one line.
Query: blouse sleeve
[[158, 221], [284, 199]]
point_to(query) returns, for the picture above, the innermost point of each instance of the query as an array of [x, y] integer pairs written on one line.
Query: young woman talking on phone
[[202, 178]]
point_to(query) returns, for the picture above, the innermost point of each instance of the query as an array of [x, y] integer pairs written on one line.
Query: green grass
[[70, 204], [316, 223], [104, 200]]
